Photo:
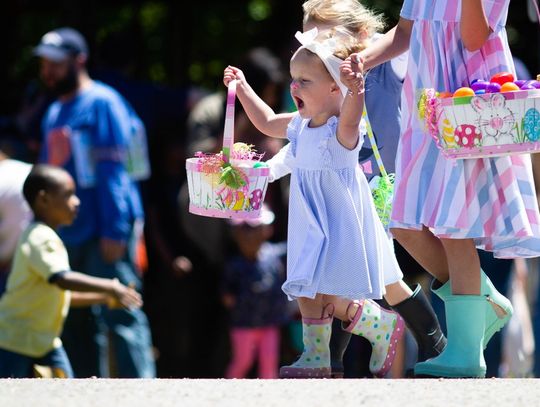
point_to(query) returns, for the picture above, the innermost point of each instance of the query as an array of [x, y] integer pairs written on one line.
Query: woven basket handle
[[228, 132]]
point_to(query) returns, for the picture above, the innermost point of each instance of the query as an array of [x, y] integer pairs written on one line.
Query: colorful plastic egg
[[479, 84], [502, 77], [444, 95], [493, 87], [260, 164], [465, 91], [531, 124], [520, 82], [509, 87]]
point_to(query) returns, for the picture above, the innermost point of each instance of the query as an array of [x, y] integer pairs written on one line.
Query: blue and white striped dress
[[336, 242]]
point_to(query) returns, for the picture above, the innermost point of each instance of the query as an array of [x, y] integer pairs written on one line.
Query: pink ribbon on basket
[[430, 106]]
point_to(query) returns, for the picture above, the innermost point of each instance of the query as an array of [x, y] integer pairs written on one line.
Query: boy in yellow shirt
[[37, 298]]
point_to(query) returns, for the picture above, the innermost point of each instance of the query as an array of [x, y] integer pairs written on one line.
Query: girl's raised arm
[[351, 110], [395, 42], [261, 115], [474, 26]]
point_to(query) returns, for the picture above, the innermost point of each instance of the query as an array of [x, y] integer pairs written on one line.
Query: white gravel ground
[[262, 393]]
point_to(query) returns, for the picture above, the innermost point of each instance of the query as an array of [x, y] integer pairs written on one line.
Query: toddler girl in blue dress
[[337, 247]]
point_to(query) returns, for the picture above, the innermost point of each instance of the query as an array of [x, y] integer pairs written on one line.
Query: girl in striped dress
[[330, 205], [443, 209]]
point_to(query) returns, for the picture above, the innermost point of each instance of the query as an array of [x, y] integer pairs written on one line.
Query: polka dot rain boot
[[315, 359], [383, 328]]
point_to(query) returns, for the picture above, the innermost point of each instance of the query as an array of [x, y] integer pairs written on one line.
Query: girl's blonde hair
[[345, 42], [347, 13]]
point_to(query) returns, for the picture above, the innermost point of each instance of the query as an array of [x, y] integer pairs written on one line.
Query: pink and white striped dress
[[490, 200]]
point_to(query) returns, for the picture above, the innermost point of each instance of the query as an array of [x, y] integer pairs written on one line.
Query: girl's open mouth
[[299, 102]]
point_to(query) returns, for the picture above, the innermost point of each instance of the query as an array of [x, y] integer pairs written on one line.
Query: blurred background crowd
[[205, 281]]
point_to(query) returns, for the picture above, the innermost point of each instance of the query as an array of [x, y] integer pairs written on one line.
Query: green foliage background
[[180, 43]]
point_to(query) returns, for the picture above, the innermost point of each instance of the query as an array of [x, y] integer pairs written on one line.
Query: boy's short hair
[[42, 177]]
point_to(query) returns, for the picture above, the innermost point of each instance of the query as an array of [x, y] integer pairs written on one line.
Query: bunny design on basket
[[495, 120]]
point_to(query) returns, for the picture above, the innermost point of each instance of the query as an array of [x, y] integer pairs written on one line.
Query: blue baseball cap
[[59, 44]]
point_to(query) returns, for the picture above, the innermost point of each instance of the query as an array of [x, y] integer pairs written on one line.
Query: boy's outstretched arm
[[79, 300], [352, 77], [395, 42], [261, 115], [474, 27], [74, 281]]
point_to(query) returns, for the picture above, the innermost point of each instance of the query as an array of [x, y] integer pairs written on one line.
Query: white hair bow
[[325, 51]]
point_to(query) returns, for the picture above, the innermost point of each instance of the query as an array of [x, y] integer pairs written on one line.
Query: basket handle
[[228, 132], [374, 147]]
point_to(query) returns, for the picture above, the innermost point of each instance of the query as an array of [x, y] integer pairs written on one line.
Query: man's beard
[[68, 84]]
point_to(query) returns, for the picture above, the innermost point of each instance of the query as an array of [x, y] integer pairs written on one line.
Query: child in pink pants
[[252, 293]]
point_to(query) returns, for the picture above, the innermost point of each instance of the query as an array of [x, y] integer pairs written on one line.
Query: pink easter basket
[[483, 126], [231, 184]]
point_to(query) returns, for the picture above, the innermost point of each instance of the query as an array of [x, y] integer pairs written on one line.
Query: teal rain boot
[[463, 355], [314, 362], [498, 307], [383, 329]]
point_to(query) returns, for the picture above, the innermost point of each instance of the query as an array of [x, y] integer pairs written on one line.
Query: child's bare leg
[[344, 308], [397, 292], [311, 307], [463, 265], [426, 249]]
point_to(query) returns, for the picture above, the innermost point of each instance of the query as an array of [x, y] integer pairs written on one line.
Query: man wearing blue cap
[[88, 131]]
